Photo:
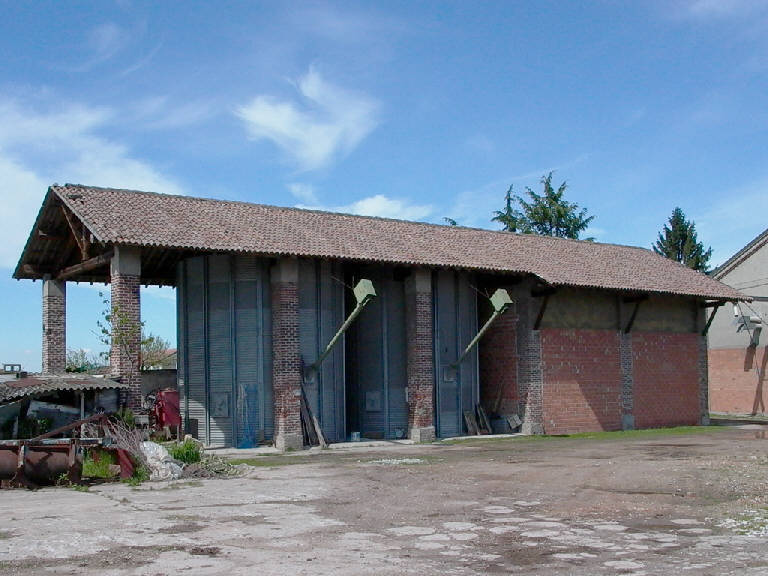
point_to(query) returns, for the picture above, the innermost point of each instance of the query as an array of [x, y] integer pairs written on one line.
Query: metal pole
[[364, 293], [500, 302]]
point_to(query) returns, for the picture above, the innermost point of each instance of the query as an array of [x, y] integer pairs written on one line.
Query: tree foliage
[[546, 214], [81, 360], [154, 349], [678, 241]]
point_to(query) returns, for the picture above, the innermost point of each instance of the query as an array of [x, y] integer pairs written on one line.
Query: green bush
[[125, 415], [188, 451], [140, 474]]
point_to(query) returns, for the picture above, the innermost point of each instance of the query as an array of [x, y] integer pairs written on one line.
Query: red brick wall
[[582, 380], [286, 364], [421, 380], [733, 383], [666, 379], [54, 326], [497, 354]]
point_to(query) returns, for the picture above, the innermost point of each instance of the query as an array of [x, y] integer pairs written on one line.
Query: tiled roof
[[181, 222], [40, 384]]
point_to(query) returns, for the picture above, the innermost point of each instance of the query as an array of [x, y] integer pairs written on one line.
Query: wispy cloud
[[328, 122], [303, 192], [64, 145], [382, 206], [162, 113], [721, 8]]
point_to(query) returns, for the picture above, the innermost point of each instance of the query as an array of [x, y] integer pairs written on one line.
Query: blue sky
[[403, 109]]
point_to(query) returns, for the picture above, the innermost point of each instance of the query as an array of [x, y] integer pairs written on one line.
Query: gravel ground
[[643, 503]]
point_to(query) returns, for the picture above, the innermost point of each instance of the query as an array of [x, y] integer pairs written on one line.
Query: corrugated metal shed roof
[[184, 223], [40, 384]]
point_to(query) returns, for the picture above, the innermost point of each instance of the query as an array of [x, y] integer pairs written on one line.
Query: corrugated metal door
[[321, 313], [220, 359], [455, 305], [253, 373], [196, 349], [225, 349], [378, 360]]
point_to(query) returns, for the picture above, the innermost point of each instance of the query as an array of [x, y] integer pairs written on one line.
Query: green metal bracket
[[364, 293], [500, 302]]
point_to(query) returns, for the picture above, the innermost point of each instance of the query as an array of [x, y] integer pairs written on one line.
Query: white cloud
[[328, 124], [382, 206], [304, 192], [38, 148], [710, 8]]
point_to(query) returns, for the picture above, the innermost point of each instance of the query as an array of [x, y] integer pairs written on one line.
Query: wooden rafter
[[637, 300], [715, 308], [79, 232]]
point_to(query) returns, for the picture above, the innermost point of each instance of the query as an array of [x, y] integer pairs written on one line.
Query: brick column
[[703, 368], [286, 357], [530, 380], [125, 355], [627, 382], [54, 326], [420, 358]]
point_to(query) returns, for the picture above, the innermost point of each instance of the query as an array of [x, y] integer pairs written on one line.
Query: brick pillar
[[530, 380], [125, 355], [286, 357], [627, 382], [703, 368], [420, 360], [54, 326]]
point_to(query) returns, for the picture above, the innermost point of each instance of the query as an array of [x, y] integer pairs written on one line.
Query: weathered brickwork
[[286, 365], [125, 354], [497, 354], [529, 376], [54, 326], [666, 379], [420, 357], [734, 385], [582, 380], [627, 382], [703, 381]]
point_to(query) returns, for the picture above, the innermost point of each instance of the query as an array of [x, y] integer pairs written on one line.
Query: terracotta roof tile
[[182, 222]]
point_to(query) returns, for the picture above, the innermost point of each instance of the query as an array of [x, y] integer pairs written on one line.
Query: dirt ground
[[643, 503]]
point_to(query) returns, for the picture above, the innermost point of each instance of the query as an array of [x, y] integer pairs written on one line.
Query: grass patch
[[615, 435], [79, 487], [5, 534], [96, 464], [268, 461], [188, 451], [140, 474]]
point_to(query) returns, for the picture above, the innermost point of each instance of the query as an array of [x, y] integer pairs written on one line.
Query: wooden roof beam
[[86, 266]]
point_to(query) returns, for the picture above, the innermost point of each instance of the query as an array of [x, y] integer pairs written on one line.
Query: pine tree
[[678, 241], [546, 214]]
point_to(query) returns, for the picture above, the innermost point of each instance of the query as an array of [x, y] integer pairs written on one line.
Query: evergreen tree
[[547, 214], [678, 241]]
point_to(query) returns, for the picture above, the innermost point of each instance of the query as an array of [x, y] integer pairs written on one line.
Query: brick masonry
[[497, 352], [54, 326], [529, 374], [125, 354], [667, 379], [627, 382], [582, 380], [420, 356], [286, 357], [735, 385]]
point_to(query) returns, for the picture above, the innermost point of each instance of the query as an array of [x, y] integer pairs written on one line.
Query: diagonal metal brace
[[500, 302], [364, 293]]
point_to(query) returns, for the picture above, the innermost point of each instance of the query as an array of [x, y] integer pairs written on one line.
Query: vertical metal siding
[[321, 313], [220, 367], [397, 354], [225, 348], [195, 351], [455, 326], [181, 336], [248, 351]]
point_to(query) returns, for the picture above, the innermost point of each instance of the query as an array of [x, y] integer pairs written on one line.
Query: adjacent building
[[737, 345], [598, 337]]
